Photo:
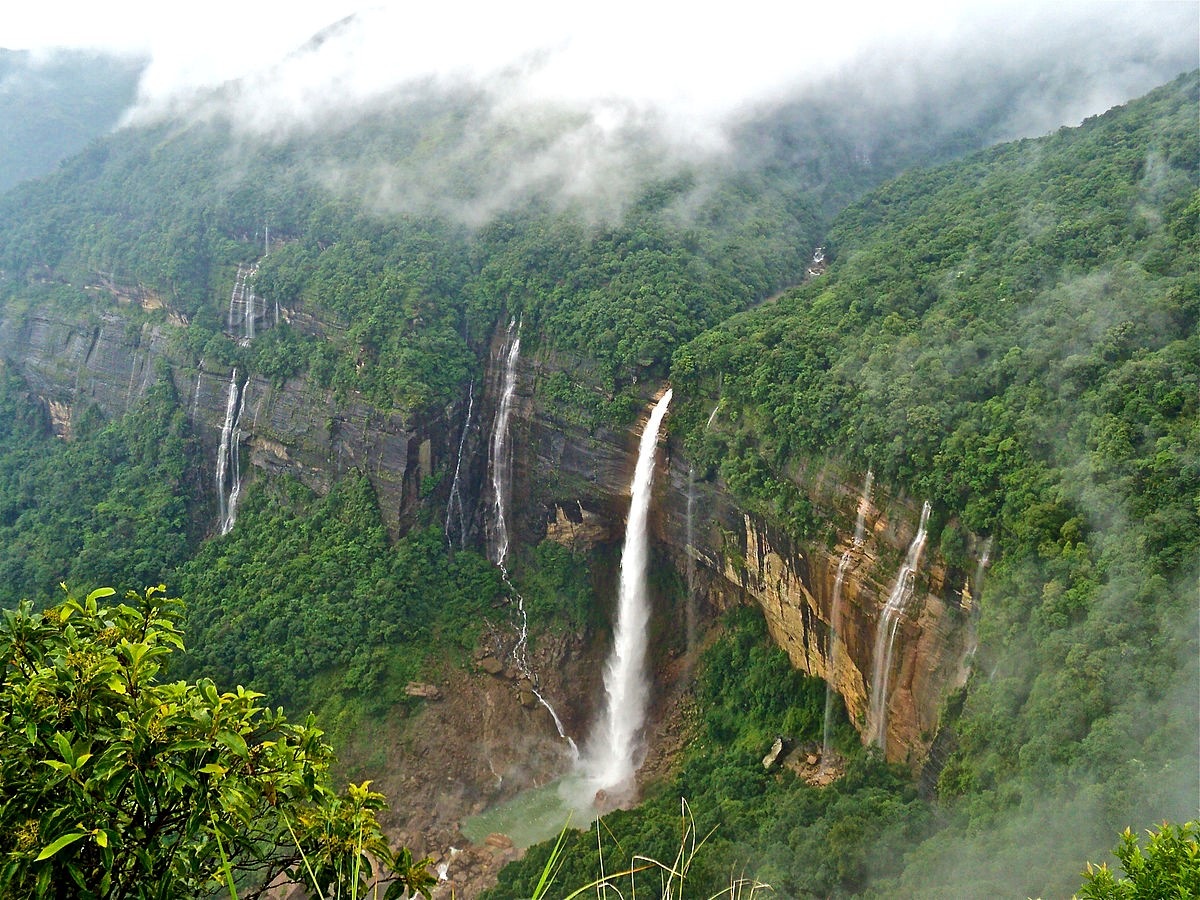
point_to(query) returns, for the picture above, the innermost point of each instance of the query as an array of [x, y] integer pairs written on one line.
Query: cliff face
[[577, 482], [570, 484], [73, 360]]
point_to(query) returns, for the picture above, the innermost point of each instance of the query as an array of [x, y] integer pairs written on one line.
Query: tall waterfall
[[500, 465], [613, 759], [692, 625], [835, 608], [885, 633], [454, 504], [229, 474], [243, 306], [501, 453]]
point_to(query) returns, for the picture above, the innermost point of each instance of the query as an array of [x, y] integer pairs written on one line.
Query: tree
[[123, 785], [1169, 868]]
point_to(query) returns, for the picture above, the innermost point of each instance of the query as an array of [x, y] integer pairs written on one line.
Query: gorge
[[437, 486]]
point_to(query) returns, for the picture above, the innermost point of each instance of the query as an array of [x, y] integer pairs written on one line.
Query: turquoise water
[[535, 815]]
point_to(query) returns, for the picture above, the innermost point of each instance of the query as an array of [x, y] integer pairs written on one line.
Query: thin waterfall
[[231, 407], [835, 610], [613, 760], [501, 452], [196, 392], [976, 592], [251, 312], [885, 633], [235, 464], [454, 505], [233, 298], [500, 464]]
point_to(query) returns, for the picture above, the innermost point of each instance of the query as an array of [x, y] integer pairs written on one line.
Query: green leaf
[[64, 748], [100, 593], [59, 843], [235, 743]]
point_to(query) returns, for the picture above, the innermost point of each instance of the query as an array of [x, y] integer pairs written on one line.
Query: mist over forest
[[570, 412]]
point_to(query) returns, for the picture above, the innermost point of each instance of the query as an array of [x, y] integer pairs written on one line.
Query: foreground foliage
[[1168, 868], [117, 784]]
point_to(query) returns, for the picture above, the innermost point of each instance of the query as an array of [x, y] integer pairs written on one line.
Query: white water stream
[[885, 634], [454, 504], [501, 455], [835, 610], [613, 756]]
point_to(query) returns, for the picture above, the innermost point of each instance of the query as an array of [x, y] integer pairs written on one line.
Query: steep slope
[[1013, 338]]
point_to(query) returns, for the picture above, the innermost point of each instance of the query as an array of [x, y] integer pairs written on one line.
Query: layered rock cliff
[[577, 481], [109, 360], [572, 485]]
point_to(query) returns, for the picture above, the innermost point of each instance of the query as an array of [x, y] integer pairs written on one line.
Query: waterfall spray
[[885, 633], [835, 609], [612, 763]]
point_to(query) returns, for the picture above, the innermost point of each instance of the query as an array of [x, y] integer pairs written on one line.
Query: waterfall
[[613, 761], [196, 393], [239, 287], [231, 403], [454, 504], [500, 464], [691, 562], [235, 463], [712, 415], [229, 486], [692, 553], [501, 454], [885, 634], [251, 311], [835, 609], [973, 596]]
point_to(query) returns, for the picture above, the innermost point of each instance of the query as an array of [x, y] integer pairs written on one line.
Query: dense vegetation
[[118, 504], [1015, 338], [306, 586], [119, 784]]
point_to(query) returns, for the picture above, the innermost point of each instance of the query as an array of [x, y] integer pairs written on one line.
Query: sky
[[693, 61]]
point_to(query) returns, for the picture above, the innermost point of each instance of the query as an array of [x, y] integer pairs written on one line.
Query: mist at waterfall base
[[603, 776]]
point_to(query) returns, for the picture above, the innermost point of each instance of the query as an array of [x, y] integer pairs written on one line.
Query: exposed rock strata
[[573, 483]]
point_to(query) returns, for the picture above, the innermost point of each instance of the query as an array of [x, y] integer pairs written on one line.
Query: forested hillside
[[1015, 338], [1012, 336], [52, 105]]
